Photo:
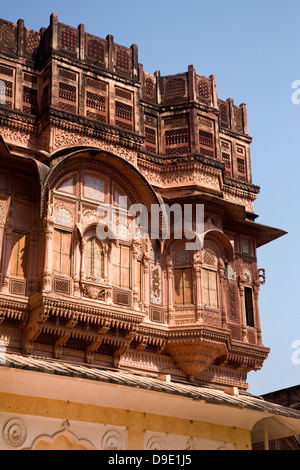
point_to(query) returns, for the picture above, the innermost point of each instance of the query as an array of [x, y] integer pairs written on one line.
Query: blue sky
[[253, 49]]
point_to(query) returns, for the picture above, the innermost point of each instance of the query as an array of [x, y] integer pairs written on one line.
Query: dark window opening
[[249, 306]]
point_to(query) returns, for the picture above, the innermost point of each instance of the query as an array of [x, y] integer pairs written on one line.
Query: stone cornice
[[236, 135], [17, 120], [90, 127]]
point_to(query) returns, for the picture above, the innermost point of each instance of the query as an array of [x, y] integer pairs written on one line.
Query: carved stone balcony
[[89, 323], [195, 349]]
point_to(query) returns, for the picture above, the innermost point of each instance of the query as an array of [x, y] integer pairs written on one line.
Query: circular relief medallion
[[14, 433], [155, 443], [112, 440]]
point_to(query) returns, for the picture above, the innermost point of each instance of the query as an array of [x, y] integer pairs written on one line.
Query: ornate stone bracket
[[194, 351], [95, 291], [122, 349], [65, 320], [262, 276]]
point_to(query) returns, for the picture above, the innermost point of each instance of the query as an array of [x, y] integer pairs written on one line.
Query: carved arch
[[62, 440], [135, 184], [219, 239]]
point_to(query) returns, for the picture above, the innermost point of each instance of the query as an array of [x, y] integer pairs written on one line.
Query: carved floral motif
[[65, 138]]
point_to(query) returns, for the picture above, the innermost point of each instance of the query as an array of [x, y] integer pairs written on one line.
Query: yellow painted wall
[[136, 422]]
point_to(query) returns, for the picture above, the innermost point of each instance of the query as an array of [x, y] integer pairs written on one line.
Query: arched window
[[183, 278], [210, 289], [94, 259]]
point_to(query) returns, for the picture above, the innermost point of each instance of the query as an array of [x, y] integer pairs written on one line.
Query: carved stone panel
[[162, 441], [156, 296]]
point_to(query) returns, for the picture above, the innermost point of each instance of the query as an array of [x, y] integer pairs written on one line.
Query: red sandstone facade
[[82, 123]]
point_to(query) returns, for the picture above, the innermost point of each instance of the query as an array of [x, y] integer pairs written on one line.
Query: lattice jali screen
[[203, 89], [150, 130], [68, 97], [96, 106], [157, 315], [61, 285], [68, 41], [180, 120], [68, 74], [251, 335], [124, 94], [232, 301], [2, 214], [122, 298], [174, 89], [224, 113], [206, 143], [30, 100], [149, 89], [124, 115], [150, 139], [210, 258], [64, 217], [226, 157], [238, 114], [176, 141], [17, 287], [123, 61], [227, 162], [182, 258], [95, 50], [7, 89], [32, 39], [241, 164], [235, 332], [8, 37]]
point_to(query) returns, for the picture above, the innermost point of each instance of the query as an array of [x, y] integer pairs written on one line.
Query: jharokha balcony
[[83, 126]]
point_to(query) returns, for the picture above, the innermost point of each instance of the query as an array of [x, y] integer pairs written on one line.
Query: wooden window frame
[[209, 270], [120, 268], [183, 270], [61, 272], [93, 240], [18, 274]]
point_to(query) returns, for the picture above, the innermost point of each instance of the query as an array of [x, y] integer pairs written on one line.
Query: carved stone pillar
[[83, 247], [221, 271], [1, 244], [169, 270], [135, 253], [77, 266], [199, 312], [105, 261], [7, 249], [48, 256], [146, 283], [6, 259], [33, 256], [197, 261], [112, 244]]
